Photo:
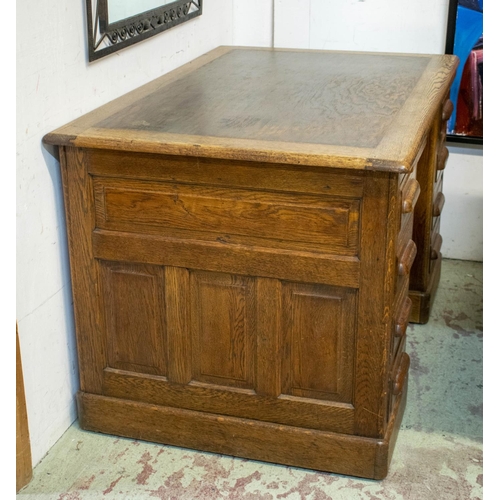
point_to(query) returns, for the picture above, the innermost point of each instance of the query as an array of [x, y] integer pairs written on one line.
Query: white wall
[[395, 26], [253, 23], [365, 25], [55, 84], [462, 218]]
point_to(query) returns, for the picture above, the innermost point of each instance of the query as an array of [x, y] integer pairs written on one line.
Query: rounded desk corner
[[56, 139], [400, 167]]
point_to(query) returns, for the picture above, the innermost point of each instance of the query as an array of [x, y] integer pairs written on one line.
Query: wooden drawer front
[[438, 184], [405, 234], [436, 224], [436, 243], [220, 343], [406, 257], [400, 370], [438, 204], [278, 220], [442, 158], [410, 193], [401, 318]]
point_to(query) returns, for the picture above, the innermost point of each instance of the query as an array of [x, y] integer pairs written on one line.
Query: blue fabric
[[469, 28]]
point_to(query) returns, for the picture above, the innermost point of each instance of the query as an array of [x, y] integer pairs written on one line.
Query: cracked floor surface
[[438, 454]]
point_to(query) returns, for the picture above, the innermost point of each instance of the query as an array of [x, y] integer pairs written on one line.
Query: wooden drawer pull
[[399, 379], [437, 208], [437, 241], [410, 196], [407, 258], [444, 132], [442, 158], [447, 110], [403, 318]]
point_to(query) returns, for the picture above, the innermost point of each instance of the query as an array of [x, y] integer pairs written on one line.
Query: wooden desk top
[[321, 108]]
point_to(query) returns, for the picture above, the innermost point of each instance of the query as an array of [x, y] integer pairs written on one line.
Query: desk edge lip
[[331, 161]]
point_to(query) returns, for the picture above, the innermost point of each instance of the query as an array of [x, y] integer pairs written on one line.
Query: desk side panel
[[80, 223], [169, 318]]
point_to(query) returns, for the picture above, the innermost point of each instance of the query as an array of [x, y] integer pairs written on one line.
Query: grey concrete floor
[[438, 454]]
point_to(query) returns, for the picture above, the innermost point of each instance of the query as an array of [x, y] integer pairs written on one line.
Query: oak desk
[[240, 237]]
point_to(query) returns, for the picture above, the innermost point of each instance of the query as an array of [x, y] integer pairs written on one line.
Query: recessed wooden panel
[[318, 342], [239, 216], [220, 333], [134, 311], [223, 329]]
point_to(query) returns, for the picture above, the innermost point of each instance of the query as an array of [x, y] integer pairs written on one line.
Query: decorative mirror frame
[[105, 38]]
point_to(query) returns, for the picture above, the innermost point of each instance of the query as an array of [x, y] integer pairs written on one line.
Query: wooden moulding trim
[[268, 442], [220, 257], [303, 154], [243, 403], [224, 148]]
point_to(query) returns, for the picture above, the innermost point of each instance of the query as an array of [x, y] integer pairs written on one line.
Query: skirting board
[[245, 438]]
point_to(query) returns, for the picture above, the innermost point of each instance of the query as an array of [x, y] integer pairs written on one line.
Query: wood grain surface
[[241, 242], [333, 452], [424, 277], [24, 470], [350, 110]]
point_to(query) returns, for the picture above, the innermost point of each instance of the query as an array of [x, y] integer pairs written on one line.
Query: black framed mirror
[[114, 24]]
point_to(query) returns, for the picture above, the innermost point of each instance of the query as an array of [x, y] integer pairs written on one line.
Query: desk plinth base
[[422, 301], [245, 438]]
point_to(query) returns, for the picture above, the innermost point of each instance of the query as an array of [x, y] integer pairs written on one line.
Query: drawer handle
[[447, 110], [399, 379], [407, 258], [437, 241], [444, 131], [437, 208], [442, 158], [410, 196], [403, 318]]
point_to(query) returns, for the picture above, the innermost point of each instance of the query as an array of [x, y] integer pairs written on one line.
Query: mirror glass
[[115, 24], [118, 9]]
